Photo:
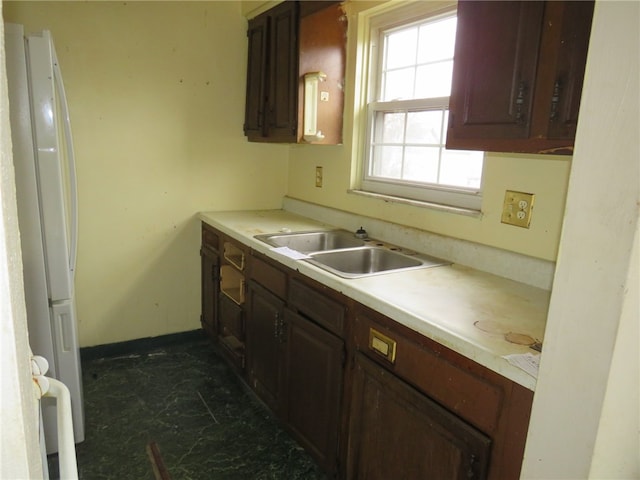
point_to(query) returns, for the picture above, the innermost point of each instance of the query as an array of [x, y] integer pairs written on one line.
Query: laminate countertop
[[479, 315]]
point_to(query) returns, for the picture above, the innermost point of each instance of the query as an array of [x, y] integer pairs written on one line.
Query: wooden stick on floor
[[159, 470]]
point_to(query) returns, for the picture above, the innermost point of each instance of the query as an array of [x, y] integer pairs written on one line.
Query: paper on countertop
[[528, 362], [291, 253]]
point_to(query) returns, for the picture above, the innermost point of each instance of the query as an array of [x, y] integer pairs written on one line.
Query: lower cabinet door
[[397, 432], [210, 277], [265, 338], [230, 330], [313, 386]]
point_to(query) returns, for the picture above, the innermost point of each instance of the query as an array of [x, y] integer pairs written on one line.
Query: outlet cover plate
[[517, 208]]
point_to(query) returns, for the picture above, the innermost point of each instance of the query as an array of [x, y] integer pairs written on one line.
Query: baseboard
[[140, 345]]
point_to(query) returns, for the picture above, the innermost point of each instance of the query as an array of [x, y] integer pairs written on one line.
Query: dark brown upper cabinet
[[518, 74], [286, 43]]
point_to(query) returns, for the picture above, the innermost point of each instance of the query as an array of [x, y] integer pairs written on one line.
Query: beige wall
[[156, 94], [156, 98], [545, 176]]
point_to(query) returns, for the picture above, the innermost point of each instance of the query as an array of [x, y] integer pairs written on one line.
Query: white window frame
[[468, 199]]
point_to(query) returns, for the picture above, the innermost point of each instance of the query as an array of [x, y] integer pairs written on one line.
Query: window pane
[[461, 168], [401, 48], [437, 40], [392, 127], [424, 127], [398, 84], [387, 162], [434, 80], [421, 164]]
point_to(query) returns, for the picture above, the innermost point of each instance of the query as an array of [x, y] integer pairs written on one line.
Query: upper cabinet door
[[518, 73], [283, 80], [494, 69], [567, 28], [258, 34]]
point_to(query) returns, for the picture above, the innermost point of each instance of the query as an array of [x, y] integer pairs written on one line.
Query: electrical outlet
[[517, 208], [319, 177]]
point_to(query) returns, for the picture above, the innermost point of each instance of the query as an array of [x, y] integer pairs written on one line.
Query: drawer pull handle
[[382, 345]]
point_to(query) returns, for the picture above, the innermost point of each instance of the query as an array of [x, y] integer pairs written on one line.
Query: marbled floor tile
[[186, 399]]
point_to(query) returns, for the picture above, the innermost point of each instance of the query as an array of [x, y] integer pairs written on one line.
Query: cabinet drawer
[[453, 386], [210, 238], [314, 305], [270, 277]]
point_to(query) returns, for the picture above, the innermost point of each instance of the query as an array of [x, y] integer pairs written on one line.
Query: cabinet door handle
[[555, 101], [471, 472], [283, 331], [519, 103], [279, 328]]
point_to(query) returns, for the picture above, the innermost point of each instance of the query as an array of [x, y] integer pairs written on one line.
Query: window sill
[[419, 203]]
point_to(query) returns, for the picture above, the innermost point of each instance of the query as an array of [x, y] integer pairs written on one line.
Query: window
[[411, 63]]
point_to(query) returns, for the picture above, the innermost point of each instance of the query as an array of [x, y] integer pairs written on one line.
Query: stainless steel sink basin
[[367, 261], [307, 242]]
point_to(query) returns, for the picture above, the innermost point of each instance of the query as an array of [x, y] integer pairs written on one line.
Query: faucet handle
[[361, 233]]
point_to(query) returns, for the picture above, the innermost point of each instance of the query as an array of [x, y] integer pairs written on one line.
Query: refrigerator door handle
[[71, 161]]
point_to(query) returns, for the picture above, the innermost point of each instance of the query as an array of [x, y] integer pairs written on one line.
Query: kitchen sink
[[307, 242], [367, 261]]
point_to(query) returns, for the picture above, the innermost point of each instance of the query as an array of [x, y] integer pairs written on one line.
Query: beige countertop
[[464, 309]]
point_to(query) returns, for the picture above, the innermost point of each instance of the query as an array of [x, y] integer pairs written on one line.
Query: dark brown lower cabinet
[[367, 397], [397, 432], [314, 387], [296, 367]]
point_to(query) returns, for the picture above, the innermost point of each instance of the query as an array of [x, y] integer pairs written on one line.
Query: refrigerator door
[[55, 202], [33, 262]]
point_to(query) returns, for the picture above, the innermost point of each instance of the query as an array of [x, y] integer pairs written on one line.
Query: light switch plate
[[319, 177], [517, 208]]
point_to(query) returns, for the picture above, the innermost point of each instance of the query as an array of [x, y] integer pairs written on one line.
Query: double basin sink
[[343, 254]]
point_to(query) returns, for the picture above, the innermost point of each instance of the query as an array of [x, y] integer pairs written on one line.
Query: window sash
[[417, 190], [424, 191]]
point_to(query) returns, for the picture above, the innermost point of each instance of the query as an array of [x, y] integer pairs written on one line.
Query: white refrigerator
[[47, 213]]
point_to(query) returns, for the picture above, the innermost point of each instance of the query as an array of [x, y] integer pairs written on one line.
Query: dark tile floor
[[186, 399]]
